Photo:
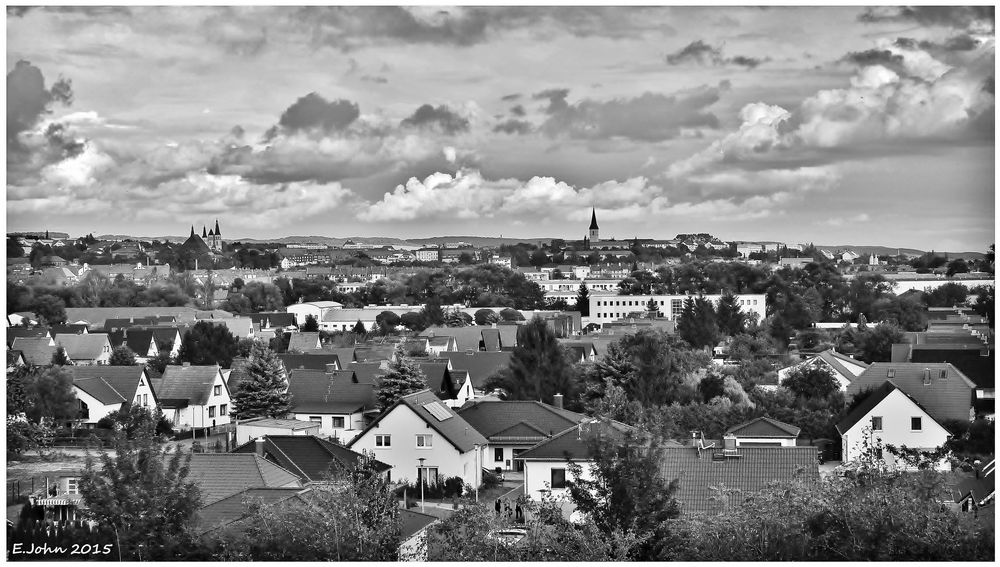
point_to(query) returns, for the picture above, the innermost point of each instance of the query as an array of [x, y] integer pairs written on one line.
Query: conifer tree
[[404, 377], [359, 328], [122, 356], [262, 390], [59, 357], [583, 300]]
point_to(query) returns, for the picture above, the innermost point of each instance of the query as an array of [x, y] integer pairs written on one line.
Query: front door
[[518, 463], [431, 472]]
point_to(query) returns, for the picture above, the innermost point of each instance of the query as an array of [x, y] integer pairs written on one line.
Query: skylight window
[[438, 410]]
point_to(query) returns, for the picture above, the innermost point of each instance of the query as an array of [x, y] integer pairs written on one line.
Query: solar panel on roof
[[437, 410]]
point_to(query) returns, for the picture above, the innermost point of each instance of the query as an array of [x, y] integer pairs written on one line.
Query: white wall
[[144, 394], [403, 425], [197, 416], [96, 409], [901, 286], [301, 310], [538, 476], [607, 308], [895, 410], [353, 424], [758, 441]]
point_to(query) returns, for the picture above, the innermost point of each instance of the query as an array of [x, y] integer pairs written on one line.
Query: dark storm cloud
[[950, 16], [28, 100], [513, 126], [700, 53], [442, 118], [556, 98], [649, 117], [313, 113], [961, 42], [868, 57]]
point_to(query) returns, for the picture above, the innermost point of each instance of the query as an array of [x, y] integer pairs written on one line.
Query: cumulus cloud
[[700, 53], [948, 16], [440, 118], [513, 126], [313, 113], [28, 99], [648, 117]]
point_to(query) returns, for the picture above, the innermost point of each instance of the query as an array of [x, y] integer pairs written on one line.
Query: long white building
[[605, 308]]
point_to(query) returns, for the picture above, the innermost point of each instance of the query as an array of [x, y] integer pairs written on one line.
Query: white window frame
[[333, 422], [881, 424], [424, 441], [383, 441], [72, 486]]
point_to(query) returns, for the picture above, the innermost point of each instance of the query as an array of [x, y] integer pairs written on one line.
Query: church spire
[[192, 230], [204, 234], [593, 219], [217, 231]]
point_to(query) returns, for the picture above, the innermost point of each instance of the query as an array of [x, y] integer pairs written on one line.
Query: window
[[558, 478], [916, 424], [338, 422], [72, 486], [316, 418], [223, 410], [211, 411], [145, 399], [425, 440], [383, 441], [138, 399], [498, 455], [217, 390], [877, 423]]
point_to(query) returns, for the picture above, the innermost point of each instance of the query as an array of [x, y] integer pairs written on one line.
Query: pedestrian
[[518, 513], [508, 510]]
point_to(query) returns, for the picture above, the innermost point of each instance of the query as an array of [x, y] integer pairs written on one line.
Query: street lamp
[[478, 473], [420, 475]]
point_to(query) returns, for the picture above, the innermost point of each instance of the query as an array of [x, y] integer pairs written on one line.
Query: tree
[[403, 377], [144, 494], [957, 266], [627, 493], [486, 317], [50, 309], [311, 325], [160, 362], [134, 420], [731, 319], [432, 313], [509, 314], [539, 367], [413, 321], [875, 344], [207, 344], [59, 357], [122, 356], [583, 300], [359, 328], [387, 321], [50, 396], [539, 258], [697, 324], [262, 391], [811, 381]]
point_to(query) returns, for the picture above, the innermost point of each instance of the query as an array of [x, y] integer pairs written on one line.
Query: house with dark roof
[[317, 361], [70, 329], [194, 397], [978, 489], [139, 341], [844, 368], [741, 471], [274, 320], [26, 333], [221, 475], [974, 360], [512, 427], [479, 365], [764, 432], [228, 512], [309, 457], [477, 337], [891, 416], [15, 358], [93, 348], [37, 351], [304, 342], [105, 389], [940, 388], [250, 429], [421, 437], [439, 379], [337, 401]]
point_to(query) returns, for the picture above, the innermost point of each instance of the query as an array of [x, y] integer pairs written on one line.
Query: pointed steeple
[[210, 233], [217, 231], [593, 219], [203, 233], [192, 230]]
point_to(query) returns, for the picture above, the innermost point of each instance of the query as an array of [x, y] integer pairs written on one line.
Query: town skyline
[[846, 125]]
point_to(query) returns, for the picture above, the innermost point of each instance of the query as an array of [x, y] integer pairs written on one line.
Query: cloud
[[313, 113], [518, 110], [374, 79], [948, 16], [28, 99], [510, 97], [882, 57], [440, 118], [956, 43], [700, 53], [846, 221], [513, 126], [237, 31], [648, 117]]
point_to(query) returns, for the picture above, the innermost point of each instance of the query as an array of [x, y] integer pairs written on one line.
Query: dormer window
[[891, 373], [944, 374]]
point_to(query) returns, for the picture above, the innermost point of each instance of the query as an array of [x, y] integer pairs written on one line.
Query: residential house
[[95, 317], [317, 309], [250, 429], [794, 262], [939, 387], [231, 512], [274, 321], [429, 254], [318, 361], [37, 351], [194, 397], [975, 361], [22, 319], [477, 337], [438, 345], [844, 368], [764, 432], [479, 365], [421, 437], [93, 348], [102, 390], [26, 332], [976, 490], [890, 416], [219, 476], [60, 495], [512, 427], [310, 458], [304, 342], [139, 341], [335, 400], [78, 329], [168, 339], [741, 470], [583, 351]]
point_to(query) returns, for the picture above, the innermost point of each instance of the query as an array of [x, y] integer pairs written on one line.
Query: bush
[[450, 487], [491, 479]]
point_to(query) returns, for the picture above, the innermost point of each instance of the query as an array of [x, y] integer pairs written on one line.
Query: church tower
[[595, 232]]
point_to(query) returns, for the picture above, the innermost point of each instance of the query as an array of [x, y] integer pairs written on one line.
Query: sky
[[836, 125]]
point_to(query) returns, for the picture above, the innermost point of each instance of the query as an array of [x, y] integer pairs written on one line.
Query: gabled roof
[[455, 430], [943, 398], [304, 342], [83, 347], [367, 372], [315, 391], [841, 362], [308, 456], [15, 358], [765, 427], [37, 350], [24, 332], [480, 365], [316, 361], [413, 522], [274, 319], [438, 377], [698, 474], [527, 421], [69, 329], [137, 340], [374, 353], [573, 442], [980, 486], [109, 383], [873, 400], [240, 505], [491, 340], [191, 383], [969, 360], [345, 354], [219, 475]]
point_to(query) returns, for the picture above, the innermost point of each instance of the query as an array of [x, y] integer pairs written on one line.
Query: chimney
[[557, 400], [260, 447]]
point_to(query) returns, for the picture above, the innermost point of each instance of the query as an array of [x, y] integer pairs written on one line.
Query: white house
[[420, 437], [844, 368], [84, 349], [764, 432], [102, 390], [315, 308], [333, 400], [891, 416], [194, 397]]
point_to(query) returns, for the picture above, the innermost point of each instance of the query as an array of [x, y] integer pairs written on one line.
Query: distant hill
[[888, 251]]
